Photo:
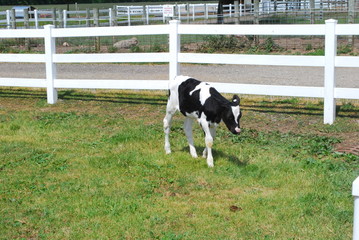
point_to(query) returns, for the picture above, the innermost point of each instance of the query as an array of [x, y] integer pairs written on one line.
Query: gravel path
[[271, 75]]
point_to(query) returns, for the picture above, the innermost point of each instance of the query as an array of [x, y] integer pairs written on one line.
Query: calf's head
[[232, 114]]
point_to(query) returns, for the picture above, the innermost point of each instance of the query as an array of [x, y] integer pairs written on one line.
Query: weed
[[293, 101], [269, 46], [317, 52], [349, 158], [319, 145], [51, 118], [348, 106], [14, 127], [157, 48], [135, 49], [41, 159], [82, 50], [345, 49], [112, 49], [309, 47]]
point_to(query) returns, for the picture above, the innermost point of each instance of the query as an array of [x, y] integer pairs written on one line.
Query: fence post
[[110, 17], [50, 50], [236, 11], [8, 19], [61, 18], [174, 46], [312, 11], [26, 18], [13, 19], [187, 11], [147, 14], [163, 16], [144, 14], [36, 15], [128, 16], [26, 26], [96, 17], [65, 18], [179, 12], [329, 71], [351, 19], [256, 11], [114, 17], [206, 10], [54, 16], [88, 17], [355, 193]]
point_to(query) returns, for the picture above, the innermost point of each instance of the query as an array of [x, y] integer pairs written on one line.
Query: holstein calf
[[198, 100]]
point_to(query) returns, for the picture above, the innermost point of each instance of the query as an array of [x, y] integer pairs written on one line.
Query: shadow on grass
[[217, 154], [137, 98], [128, 98], [298, 110]]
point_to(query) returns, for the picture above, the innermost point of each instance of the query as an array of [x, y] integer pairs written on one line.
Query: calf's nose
[[238, 130]]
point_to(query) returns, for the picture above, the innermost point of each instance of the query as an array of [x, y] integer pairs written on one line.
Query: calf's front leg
[[212, 129]]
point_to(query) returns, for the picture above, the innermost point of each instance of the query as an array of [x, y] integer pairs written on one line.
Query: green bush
[[220, 43]]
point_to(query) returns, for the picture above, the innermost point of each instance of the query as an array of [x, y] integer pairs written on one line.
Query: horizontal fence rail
[[329, 92]]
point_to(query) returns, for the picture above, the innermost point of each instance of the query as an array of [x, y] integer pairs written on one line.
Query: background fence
[[329, 92], [266, 12]]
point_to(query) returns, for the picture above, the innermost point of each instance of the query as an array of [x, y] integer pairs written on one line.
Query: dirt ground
[[246, 74]]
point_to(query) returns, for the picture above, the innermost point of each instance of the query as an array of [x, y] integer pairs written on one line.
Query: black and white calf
[[198, 100]]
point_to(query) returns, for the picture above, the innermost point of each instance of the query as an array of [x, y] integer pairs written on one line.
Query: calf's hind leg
[[188, 122], [167, 121]]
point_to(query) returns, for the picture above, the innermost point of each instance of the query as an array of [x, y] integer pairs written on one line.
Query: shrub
[[220, 43], [269, 46]]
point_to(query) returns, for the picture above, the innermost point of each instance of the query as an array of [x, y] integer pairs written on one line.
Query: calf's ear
[[236, 99]]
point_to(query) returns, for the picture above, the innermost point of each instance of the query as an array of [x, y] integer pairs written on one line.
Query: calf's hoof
[[210, 163], [194, 154]]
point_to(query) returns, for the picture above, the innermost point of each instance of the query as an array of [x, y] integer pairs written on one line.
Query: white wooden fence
[[188, 12], [329, 92], [62, 18], [129, 15], [125, 15]]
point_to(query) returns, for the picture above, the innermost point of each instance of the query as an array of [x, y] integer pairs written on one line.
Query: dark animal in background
[[221, 9], [199, 101]]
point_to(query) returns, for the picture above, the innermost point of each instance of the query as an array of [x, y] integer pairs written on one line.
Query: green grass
[[92, 166]]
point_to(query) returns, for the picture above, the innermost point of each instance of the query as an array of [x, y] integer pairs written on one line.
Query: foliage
[[82, 50], [249, 44], [270, 46], [345, 49], [317, 52], [215, 43]]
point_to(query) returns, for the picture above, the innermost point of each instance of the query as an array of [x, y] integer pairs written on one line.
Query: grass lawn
[[92, 166]]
